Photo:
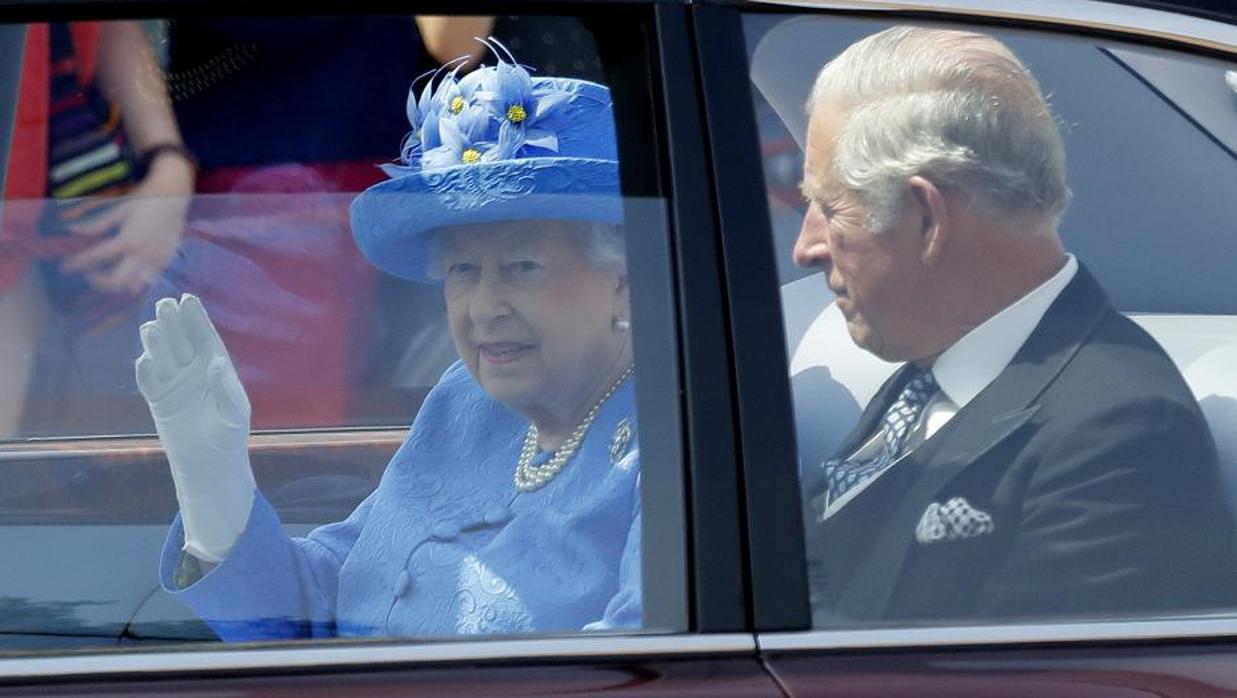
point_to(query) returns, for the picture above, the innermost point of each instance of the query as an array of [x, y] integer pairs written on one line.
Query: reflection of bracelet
[[148, 156]]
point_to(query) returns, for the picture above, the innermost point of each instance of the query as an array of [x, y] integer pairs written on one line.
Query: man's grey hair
[[956, 108], [604, 246]]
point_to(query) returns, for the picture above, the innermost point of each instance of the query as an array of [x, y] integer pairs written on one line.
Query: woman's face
[[532, 319]]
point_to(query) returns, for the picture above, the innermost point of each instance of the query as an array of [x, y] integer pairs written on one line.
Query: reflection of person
[[89, 93], [63, 149], [513, 504], [1038, 454], [281, 154], [149, 223]]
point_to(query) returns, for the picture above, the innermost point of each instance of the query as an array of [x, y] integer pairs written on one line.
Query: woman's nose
[[489, 298]]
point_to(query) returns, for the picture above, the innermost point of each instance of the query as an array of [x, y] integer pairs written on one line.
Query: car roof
[[1220, 10]]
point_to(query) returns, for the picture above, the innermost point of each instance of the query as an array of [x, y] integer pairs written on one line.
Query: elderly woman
[[513, 504]]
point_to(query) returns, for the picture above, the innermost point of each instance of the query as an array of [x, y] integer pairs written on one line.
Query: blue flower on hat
[[525, 112], [494, 145], [455, 95], [466, 140], [423, 116]]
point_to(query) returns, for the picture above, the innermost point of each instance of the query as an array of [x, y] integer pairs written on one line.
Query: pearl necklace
[[529, 477]]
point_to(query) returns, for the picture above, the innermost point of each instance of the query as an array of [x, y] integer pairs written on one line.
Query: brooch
[[620, 440]]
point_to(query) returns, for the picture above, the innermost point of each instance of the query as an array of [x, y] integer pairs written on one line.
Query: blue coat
[[446, 544]]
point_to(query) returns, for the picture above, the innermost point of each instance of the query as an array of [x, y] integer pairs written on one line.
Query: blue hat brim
[[393, 221]]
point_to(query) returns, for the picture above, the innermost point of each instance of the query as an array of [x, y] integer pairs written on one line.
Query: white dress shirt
[[963, 370], [967, 367]]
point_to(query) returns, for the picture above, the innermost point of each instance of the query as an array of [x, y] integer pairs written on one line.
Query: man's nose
[[811, 248]]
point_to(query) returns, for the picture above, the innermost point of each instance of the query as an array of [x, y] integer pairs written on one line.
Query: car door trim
[[1033, 634], [368, 654], [777, 582], [713, 478], [1103, 16]]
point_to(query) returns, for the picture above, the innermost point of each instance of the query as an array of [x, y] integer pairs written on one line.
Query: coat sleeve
[[1120, 516], [270, 586], [625, 610]]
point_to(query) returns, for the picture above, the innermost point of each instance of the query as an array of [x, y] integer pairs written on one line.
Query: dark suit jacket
[[1096, 466]]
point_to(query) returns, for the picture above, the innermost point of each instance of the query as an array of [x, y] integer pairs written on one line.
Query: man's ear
[[931, 216]]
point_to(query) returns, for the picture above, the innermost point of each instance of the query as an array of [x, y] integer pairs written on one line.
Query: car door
[[337, 358], [1146, 107]]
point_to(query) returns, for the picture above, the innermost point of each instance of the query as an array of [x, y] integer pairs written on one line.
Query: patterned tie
[[843, 475]]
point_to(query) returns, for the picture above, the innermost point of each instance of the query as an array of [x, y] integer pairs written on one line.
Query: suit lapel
[[993, 416]]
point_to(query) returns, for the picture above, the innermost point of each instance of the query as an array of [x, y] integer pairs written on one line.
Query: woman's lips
[[503, 352]]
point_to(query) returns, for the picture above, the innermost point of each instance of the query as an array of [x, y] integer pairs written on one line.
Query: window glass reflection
[[983, 435], [300, 273]]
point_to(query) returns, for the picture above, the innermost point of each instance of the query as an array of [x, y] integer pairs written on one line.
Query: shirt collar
[[971, 363]]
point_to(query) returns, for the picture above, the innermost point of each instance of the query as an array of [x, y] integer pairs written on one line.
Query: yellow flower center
[[457, 104], [516, 113], [470, 156]]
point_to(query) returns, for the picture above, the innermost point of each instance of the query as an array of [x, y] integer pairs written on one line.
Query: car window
[[374, 273], [964, 514]]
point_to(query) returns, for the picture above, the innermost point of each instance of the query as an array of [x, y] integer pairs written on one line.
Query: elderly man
[[1038, 455]]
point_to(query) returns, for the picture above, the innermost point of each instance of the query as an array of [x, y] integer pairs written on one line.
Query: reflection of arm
[[448, 38], [1120, 515], [130, 76], [271, 586], [150, 223]]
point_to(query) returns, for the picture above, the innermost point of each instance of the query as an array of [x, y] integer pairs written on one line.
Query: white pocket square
[[956, 519]]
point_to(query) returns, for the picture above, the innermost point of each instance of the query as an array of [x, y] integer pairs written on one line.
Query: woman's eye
[[524, 267]]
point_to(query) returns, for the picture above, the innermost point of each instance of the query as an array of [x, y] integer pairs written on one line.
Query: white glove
[[202, 416]]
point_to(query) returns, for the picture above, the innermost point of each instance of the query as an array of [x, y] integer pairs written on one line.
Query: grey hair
[[604, 246], [957, 108]]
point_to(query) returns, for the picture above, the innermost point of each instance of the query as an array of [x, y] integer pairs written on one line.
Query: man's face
[[877, 276]]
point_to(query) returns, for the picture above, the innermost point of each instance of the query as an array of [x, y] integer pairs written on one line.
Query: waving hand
[[202, 415]]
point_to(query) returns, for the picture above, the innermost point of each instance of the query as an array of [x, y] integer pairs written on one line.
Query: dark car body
[[738, 606]]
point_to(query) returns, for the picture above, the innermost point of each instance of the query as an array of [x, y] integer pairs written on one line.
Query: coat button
[[497, 514], [447, 530], [403, 583]]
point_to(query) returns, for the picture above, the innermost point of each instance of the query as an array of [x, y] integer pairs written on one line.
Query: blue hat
[[495, 145]]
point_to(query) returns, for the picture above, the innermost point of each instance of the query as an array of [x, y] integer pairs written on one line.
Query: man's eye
[[826, 211], [460, 268]]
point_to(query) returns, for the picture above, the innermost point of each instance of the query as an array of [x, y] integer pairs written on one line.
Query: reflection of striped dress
[[86, 145], [88, 156]]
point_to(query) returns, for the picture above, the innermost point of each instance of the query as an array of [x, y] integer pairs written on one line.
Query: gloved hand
[[202, 415]]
